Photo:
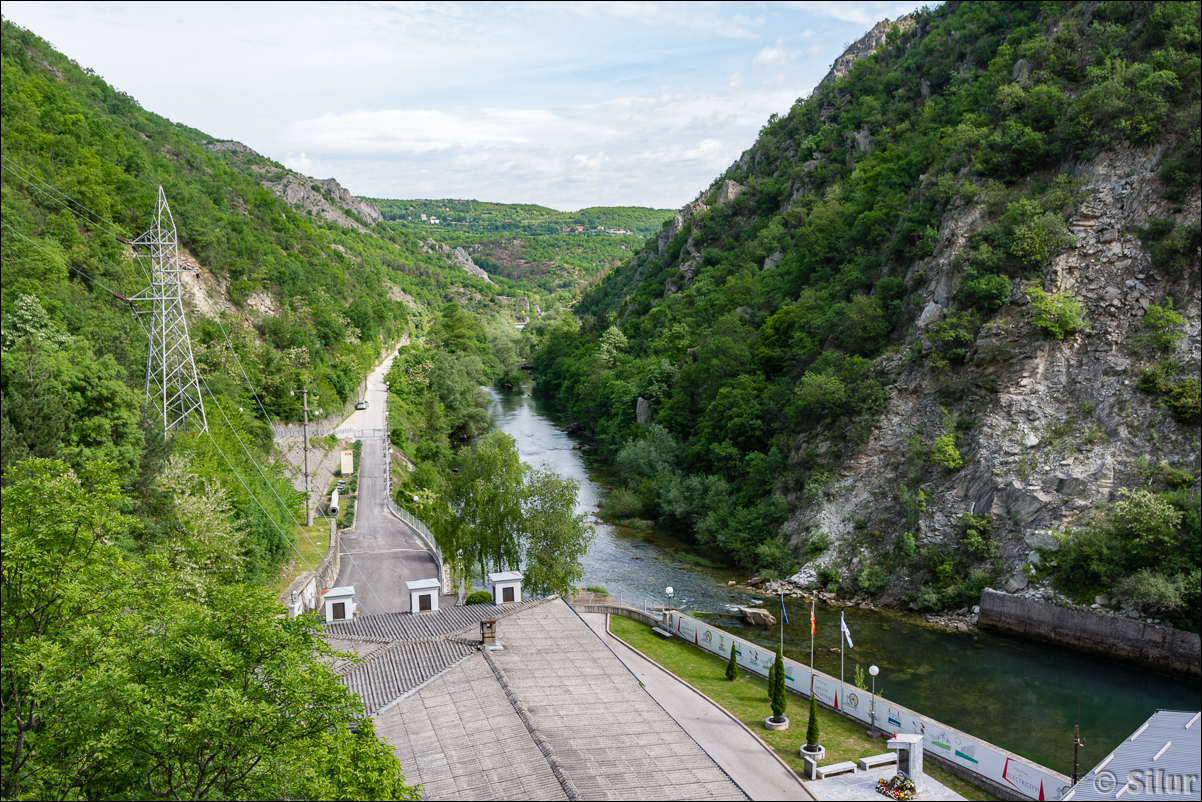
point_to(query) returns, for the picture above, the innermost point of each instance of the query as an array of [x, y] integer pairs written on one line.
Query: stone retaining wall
[[309, 584], [1171, 650]]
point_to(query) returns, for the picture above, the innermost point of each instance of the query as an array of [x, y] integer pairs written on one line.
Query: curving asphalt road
[[382, 552]]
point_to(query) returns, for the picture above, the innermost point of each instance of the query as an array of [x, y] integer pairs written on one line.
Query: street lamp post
[[873, 670]]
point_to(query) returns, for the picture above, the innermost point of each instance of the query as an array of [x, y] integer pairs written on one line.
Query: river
[[1019, 695]]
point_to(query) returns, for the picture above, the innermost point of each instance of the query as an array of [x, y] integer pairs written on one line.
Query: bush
[[1164, 325], [829, 578], [1185, 400], [1153, 590], [987, 293], [478, 597], [1037, 241], [732, 667], [1059, 315], [620, 505], [976, 535], [820, 395], [954, 336], [872, 579], [945, 452], [1172, 249]]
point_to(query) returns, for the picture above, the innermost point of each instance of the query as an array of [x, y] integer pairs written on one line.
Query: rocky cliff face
[[458, 257], [866, 45], [326, 198], [1059, 424]]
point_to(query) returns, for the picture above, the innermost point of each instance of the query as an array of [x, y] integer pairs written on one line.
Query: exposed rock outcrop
[[1059, 425], [458, 257], [325, 198], [866, 45]]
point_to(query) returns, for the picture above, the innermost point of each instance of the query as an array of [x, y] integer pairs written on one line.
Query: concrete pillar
[[909, 757]]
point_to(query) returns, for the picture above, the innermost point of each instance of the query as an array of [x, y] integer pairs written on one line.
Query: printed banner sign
[[1033, 782], [348, 463]]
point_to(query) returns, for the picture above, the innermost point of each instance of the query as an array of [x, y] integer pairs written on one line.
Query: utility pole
[[308, 490]]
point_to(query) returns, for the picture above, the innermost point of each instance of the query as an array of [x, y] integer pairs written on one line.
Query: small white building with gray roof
[[1161, 760]]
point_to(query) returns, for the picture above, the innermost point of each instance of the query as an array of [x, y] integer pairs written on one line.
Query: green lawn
[[312, 545], [747, 699]]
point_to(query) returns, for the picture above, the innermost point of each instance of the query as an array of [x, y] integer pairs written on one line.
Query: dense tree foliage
[[756, 326], [482, 217], [296, 301], [118, 683]]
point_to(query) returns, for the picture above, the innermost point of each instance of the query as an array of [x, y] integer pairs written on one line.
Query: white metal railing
[[587, 597], [423, 532], [341, 434]]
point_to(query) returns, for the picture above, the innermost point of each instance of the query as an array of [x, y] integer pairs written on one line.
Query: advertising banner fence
[[976, 757]]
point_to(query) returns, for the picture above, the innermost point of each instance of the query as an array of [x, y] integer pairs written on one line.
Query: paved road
[[745, 757], [383, 553]]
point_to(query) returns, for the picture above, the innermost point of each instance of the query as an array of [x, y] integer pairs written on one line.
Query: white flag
[[846, 631]]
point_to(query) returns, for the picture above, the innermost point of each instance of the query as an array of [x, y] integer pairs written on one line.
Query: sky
[[565, 105]]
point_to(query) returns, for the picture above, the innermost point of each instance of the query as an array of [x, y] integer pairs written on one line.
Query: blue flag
[[782, 609]]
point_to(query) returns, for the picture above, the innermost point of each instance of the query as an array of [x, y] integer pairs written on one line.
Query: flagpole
[[811, 643], [842, 649], [782, 624]]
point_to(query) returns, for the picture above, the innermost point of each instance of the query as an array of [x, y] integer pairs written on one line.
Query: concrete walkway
[[747, 759], [862, 785]]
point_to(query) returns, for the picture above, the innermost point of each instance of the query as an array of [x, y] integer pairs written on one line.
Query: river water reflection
[[1016, 694]]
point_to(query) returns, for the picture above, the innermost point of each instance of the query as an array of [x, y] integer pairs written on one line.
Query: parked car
[[362, 404]]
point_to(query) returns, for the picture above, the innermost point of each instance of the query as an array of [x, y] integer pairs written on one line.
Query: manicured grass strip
[[314, 552], [747, 700]]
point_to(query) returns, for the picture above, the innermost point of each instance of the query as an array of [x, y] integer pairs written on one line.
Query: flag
[[846, 631], [783, 614], [811, 618]]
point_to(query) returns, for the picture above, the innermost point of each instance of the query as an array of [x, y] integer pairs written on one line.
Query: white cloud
[[568, 105], [301, 163]]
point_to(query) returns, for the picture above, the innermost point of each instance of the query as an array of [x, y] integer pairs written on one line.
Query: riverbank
[[1019, 694], [747, 700]]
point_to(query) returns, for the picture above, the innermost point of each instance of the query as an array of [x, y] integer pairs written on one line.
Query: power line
[[64, 201], [267, 481], [238, 437], [250, 493], [250, 385], [65, 204], [64, 262], [241, 368]]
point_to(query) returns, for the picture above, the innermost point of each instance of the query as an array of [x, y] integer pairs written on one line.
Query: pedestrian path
[[747, 759]]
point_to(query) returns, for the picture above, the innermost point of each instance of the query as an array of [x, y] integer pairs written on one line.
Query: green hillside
[[81, 167], [768, 327], [535, 248], [481, 217]]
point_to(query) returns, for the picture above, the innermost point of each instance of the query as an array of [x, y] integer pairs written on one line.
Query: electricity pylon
[[171, 383]]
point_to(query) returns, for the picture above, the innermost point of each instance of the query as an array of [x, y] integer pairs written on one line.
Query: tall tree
[[116, 685]]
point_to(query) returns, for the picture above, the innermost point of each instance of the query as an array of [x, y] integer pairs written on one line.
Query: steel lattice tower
[[171, 382]]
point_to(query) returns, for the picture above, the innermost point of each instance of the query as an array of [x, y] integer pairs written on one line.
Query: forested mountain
[[134, 565], [945, 305], [537, 248]]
